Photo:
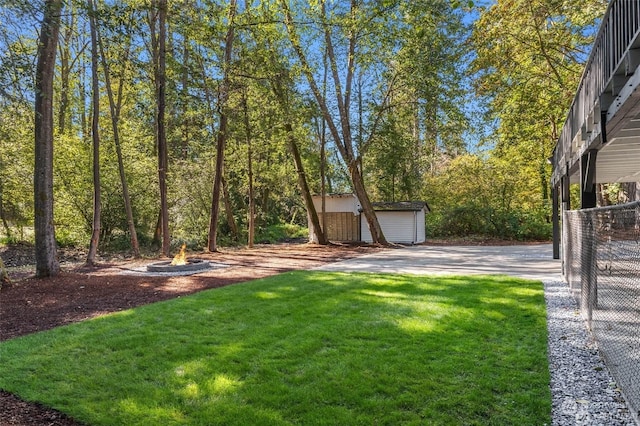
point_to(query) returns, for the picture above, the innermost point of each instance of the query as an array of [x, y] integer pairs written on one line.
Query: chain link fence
[[601, 263]]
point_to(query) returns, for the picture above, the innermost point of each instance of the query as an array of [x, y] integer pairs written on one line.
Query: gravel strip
[[583, 391]]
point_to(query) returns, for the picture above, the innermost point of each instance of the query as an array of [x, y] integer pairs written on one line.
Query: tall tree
[[424, 123], [95, 137], [279, 90], [46, 251], [115, 107], [71, 50], [251, 213], [221, 140], [350, 28], [251, 194], [529, 60], [159, 58], [65, 69], [268, 58]]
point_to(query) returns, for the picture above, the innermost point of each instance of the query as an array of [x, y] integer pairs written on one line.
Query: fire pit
[[189, 266], [180, 263]]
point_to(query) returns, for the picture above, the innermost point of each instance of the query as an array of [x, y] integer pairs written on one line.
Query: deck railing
[[606, 71]]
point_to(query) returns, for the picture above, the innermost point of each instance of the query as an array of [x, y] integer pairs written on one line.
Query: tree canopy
[[380, 98]]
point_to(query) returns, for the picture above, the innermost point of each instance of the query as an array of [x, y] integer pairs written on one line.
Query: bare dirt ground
[[80, 293]]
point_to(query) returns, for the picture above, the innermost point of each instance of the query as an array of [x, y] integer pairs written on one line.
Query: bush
[[10, 240], [466, 220], [535, 226], [70, 237], [281, 232]]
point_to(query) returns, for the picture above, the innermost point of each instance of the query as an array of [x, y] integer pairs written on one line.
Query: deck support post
[[588, 179], [555, 220], [565, 200]]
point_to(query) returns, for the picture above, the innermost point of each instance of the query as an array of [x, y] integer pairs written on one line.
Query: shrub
[[281, 232]]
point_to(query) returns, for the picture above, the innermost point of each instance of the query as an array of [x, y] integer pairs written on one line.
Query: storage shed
[[401, 222]]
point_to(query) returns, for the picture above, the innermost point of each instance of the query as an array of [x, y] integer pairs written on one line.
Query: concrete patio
[[533, 261]]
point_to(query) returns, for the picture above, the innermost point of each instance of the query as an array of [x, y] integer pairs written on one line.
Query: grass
[[306, 348]]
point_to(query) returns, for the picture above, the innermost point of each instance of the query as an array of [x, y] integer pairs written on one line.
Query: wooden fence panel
[[342, 226]]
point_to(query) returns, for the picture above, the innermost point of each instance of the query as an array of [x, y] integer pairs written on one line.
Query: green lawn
[[305, 348]]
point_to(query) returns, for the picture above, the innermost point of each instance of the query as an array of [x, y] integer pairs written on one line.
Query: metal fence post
[[566, 247], [588, 274]]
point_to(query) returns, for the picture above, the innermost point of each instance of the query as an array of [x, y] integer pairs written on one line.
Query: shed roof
[[401, 206], [337, 195]]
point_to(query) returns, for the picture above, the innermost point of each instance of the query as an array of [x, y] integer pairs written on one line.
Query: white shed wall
[[337, 203], [405, 227], [421, 233]]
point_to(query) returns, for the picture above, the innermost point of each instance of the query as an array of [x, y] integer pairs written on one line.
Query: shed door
[[397, 226]]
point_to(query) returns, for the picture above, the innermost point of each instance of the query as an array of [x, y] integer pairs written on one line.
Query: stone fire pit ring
[[190, 266]]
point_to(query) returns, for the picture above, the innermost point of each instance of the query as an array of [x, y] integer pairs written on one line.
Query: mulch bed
[[80, 293]]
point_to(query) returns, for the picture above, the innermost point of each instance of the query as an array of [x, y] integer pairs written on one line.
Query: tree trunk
[[323, 186], [67, 64], [163, 156], [185, 99], [212, 245], [341, 132], [45, 241], [295, 152], [4, 277], [628, 192], [65, 71], [304, 186], [114, 107], [223, 184], [95, 135], [222, 131], [157, 231], [3, 216], [252, 202], [323, 153], [82, 93], [602, 200], [367, 208], [228, 210]]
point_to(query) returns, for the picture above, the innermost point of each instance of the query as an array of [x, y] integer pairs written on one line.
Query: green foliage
[[529, 59], [69, 237], [16, 170], [282, 232], [303, 348], [10, 240], [406, 113], [474, 196], [191, 194], [72, 190], [535, 225], [423, 120]]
